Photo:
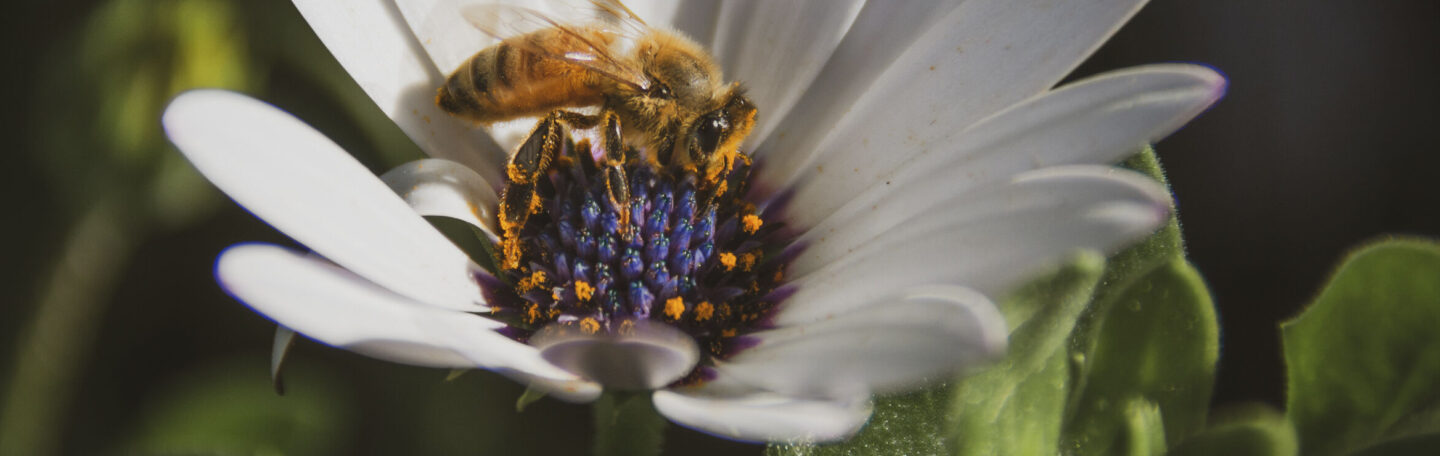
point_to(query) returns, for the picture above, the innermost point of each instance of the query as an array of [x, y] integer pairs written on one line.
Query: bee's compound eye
[[711, 129]]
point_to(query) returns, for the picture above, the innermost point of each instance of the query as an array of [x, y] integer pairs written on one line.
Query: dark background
[[1322, 142]]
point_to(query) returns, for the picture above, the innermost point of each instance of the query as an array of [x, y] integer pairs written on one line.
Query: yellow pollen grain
[[727, 260], [752, 223], [535, 280], [747, 261], [779, 275], [589, 325], [583, 290], [728, 333], [627, 327], [704, 311], [553, 313], [675, 308], [532, 313]]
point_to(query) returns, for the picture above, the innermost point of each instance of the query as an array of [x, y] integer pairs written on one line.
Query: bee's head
[[714, 138]]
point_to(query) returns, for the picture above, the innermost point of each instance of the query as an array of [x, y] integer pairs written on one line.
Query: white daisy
[[914, 154]]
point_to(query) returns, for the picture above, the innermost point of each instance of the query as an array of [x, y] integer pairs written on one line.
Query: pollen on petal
[[675, 308], [535, 280], [727, 260], [747, 261], [589, 325], [704, 311], [583, 290], [752, 223]]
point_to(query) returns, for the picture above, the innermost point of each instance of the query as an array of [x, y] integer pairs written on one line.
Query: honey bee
[[663, 89]]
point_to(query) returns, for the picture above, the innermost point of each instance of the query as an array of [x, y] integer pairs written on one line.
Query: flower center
[[697, 259]]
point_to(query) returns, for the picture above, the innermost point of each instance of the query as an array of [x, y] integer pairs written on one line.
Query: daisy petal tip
[[1209, 82]]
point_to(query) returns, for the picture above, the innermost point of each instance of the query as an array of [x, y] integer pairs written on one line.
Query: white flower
[[916, 149]]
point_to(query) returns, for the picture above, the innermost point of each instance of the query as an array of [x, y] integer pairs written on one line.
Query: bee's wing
[[513, 23]]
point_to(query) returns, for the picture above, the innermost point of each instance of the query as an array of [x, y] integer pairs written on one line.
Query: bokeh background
[[1325, 140]]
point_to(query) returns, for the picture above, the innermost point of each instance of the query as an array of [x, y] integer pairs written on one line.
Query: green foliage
[[1251, 430], [1158, 345], [221, 410], [1364, 359], [1025, 393], [626, 424], [101, 97]]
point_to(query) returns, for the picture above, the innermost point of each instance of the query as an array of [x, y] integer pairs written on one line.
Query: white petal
[[984, 56], [932, 201], [778, 48], [1098, 120], [697, 19], [877, 36], [990, 254], [435, 187], [751, 415], [923, 335], [641, 357], [331, 305], [298, 181], [657, 13], [372, 42], [442, 31]]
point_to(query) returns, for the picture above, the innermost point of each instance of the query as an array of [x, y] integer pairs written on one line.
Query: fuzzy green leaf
[[1144, 428], [1253, 430], [1122, 271], [1364, 358], [1024, 394], [1158, 343]]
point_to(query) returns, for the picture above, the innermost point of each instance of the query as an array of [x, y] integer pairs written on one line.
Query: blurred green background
[[114, 337]]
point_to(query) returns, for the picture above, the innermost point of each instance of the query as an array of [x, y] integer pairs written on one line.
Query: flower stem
[[59, 334], [626, 424]]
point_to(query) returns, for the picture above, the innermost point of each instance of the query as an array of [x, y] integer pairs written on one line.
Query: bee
[[657, 91]]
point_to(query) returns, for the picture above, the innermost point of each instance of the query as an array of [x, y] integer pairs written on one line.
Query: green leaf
[[226, 409], [1421, 444], [1252, 430], [1364, 358], [1144, 428], [627, 424], [1159, 343], [528, 397], [1024, 394], [1122, 271]]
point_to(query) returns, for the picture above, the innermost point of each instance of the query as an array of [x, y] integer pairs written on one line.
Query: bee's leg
[[577, 120], [518, 201], [616, 183]]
